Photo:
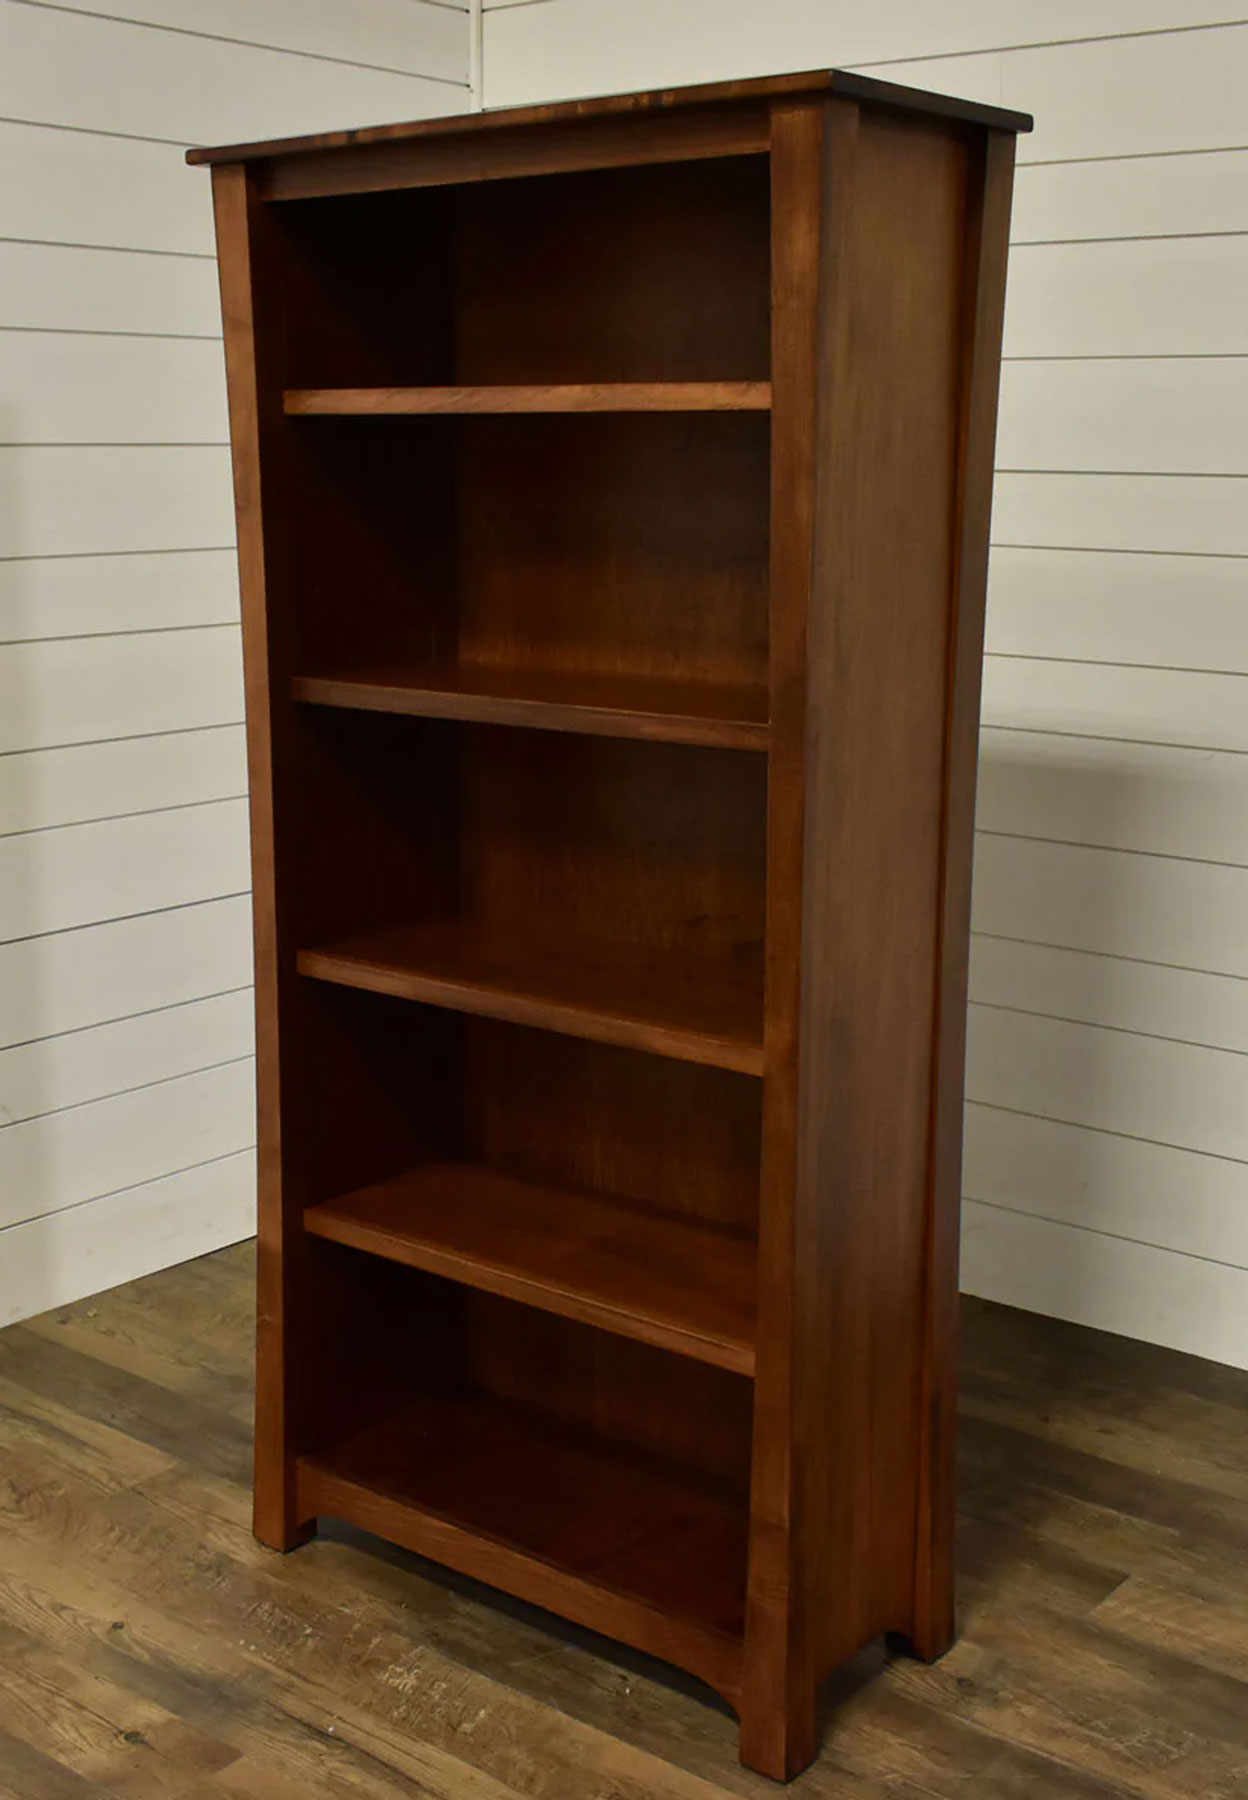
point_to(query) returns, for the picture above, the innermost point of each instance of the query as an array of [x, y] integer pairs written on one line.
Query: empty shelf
[[662, 1001], [554, 1516], [720, 714], [657, 1277]]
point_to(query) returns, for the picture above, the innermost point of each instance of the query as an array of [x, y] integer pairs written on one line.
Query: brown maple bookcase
[[612, 485]]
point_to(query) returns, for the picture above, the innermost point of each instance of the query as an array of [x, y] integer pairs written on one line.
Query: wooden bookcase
[[613, 485]]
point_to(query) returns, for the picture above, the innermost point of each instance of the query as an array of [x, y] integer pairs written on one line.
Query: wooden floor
[[149, 1648]]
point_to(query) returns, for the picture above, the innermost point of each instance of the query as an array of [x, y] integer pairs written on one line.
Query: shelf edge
[[738, 1055], [324, 1221], [533, 714], [586, 397]]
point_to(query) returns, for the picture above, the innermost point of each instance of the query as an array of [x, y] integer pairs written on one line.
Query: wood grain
[[647, 1001], [245, 250], [507, 1339], [709, 94], [595, 397], [571, 1526], [982, 309], [778, 1720], [644, 1274], [729, 716], [865, 608]]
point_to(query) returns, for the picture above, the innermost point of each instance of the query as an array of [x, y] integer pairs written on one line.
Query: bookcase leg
[[931, 1635], [933, 1628], [779, 1735], [274, 1521], [282, 1536]]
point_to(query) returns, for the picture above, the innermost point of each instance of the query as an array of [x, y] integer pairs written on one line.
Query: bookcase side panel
[[983, 314], [247, 256], [868, 488], [881, 638]]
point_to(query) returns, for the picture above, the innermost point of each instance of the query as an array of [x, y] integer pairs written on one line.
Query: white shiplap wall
[[1107, 1125], [126, 1111]]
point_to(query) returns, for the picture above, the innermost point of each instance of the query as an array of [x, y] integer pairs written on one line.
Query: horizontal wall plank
[[82, 596], [1182, 513], [74, 979], [1159, 416], [1171, 611], [100, 74], [51, 287], [1149, 297], [1135, 1290], [72, 690], [1118, 96], [77, 187], [58, 388], [1158, 799], [1150, 1193], [1155, 1088], [42, 789], [80, 1067], [1164, 195], [67, 501], [65, 1158], [1111, 991], [1111, 902], [408, 35], [564, 48], [887, 27], [84, 874], [54, 1260], [1161, 706]]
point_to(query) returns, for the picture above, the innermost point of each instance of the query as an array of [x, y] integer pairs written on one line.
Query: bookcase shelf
[[617, 1543], [612, 484], [603, 396], [729, 715], [642, 999], [657, 1277]]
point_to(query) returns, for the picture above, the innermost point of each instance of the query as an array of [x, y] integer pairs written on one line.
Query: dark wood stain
[[612, 487], [656, 101]]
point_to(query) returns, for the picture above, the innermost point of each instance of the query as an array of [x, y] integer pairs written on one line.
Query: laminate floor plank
[[1103, 1557]]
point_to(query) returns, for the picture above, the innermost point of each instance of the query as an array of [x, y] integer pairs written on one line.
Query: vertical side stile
[[780, 1676], [254, 383]]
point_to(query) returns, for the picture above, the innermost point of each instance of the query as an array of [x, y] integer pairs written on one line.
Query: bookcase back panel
[[376, 825], [556, 1110], [656, 273], [391, 1332], [600, 545], [378, 1089], [386, 1085], [615, 544], [654, 845], [370, 541], [606, 1459], [669, 1407], [532, 837], [383, 1332], [646, 274]]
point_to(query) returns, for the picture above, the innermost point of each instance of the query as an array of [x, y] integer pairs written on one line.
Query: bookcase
[[612, 486]]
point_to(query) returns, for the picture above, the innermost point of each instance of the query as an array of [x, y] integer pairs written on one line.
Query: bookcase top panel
[[764, 89]]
